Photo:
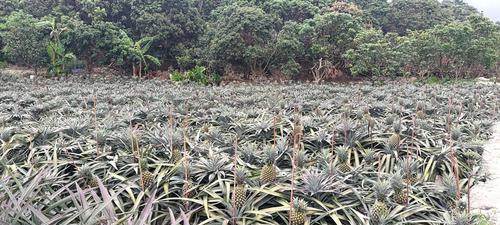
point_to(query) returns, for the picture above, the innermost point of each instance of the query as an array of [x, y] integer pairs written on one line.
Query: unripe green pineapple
[[298, 213], [240, 192], [343, 156], [269, 172], [379, 209], [400, 193], [147, 178], [175, 155], [240, 196]]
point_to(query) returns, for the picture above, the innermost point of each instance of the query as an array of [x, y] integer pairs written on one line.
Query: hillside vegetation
[[307, 39]]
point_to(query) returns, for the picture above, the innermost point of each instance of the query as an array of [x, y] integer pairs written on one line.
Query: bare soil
[[486, 196]]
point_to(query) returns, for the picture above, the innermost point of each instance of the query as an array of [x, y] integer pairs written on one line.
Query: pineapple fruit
[[147, 178], [269, 171], [409, 169], [175, 155], [379, 210], [240, 192], [343, 156], [298, 213], [400, 192]]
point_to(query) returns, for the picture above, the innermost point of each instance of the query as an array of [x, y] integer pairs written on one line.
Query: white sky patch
[[490, 8]]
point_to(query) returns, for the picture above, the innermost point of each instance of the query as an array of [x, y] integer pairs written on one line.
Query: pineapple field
[[152, 152]]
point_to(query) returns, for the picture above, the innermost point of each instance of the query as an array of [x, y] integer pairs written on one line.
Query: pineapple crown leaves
[[397, 126], [450, 186], [270, 155], [456, 133], [249, 152], [299, 205], [397, 181], [408, 166], [212, 166], [241, 175], [86, 171], [381, 189], [369, 155], [472, 157], [315, 181], [342, 153]]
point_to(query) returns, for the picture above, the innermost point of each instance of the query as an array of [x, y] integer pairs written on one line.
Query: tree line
[[311, 39]]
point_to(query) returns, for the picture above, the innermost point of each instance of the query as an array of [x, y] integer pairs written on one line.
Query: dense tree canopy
[[310, 38]]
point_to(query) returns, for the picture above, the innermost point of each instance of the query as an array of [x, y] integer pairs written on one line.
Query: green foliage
[[291, 69], [256, 38], [458, 50], [136, 53], [197, 75], [59, 57], [333, 36], [376, 54], [291, 10], [414, 15], [175, 24], [25, 41], [241, 35]]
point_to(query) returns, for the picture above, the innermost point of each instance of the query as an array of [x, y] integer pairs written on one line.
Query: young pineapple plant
[[269, 171], [240, 191], [400, 192], [380, 210], [88, 176], [299, 212], [343, 157]]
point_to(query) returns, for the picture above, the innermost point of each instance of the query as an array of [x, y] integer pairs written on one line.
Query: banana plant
[[137, 52], [59, 58]]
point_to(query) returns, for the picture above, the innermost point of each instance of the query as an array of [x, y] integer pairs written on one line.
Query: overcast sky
[[491, 8]]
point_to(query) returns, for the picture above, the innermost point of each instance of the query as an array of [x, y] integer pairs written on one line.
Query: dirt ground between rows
[[486, 196]]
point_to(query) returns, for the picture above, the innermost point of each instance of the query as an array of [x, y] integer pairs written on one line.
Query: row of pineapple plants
[[127, 152]]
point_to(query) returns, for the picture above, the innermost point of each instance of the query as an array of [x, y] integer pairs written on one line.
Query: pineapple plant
[[88, 176], [450, 190], [299, 212], [269, 171], [409, 170], [379, 209], [147, 178], [240, 192], [400, 192], [343, 157]]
